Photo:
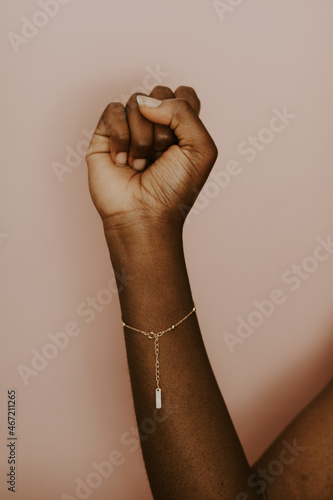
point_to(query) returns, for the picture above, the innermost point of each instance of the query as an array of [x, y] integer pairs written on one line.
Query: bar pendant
[[158, 398]]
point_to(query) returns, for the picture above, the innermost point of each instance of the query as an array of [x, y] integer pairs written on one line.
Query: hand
[[147, 163]]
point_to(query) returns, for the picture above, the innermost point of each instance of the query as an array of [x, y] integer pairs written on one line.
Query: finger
[[193, 137], [189, 94], [163, 135], [142, 136], [117, 127], [102, 171]]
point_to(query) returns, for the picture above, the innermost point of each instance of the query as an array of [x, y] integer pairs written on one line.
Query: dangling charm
[[158, 398]]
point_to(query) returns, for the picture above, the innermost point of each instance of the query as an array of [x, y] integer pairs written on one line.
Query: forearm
[[195, 453]]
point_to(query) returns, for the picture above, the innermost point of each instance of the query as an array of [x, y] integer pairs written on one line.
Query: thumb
[[193, 137]]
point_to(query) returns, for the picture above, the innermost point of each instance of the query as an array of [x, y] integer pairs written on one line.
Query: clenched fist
[[149, 159]]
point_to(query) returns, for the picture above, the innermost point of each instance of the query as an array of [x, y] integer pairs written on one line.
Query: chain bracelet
[[156, 337]]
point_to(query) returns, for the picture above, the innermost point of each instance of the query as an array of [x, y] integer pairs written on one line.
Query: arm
[[195, 453], [299, 464]]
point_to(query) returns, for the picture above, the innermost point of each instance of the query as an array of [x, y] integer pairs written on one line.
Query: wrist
[[142, 240]]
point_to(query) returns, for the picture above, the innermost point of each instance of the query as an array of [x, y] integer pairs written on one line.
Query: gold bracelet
[[156, 337]]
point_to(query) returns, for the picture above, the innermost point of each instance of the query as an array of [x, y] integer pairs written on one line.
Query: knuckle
[[114, 107], [190, 94], [160, 88], [183, 106], [160, 91], [184, 89]]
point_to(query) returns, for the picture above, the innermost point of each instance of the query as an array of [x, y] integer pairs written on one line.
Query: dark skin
[[144, 164]]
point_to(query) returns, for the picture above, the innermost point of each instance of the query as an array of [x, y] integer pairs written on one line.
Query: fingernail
[[121, 159], [148, 102], [139, 164]]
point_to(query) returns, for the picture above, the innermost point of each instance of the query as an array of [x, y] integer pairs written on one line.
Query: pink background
[[263, 55]]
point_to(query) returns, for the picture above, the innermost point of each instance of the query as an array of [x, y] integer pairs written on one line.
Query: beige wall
[[241, 243]]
